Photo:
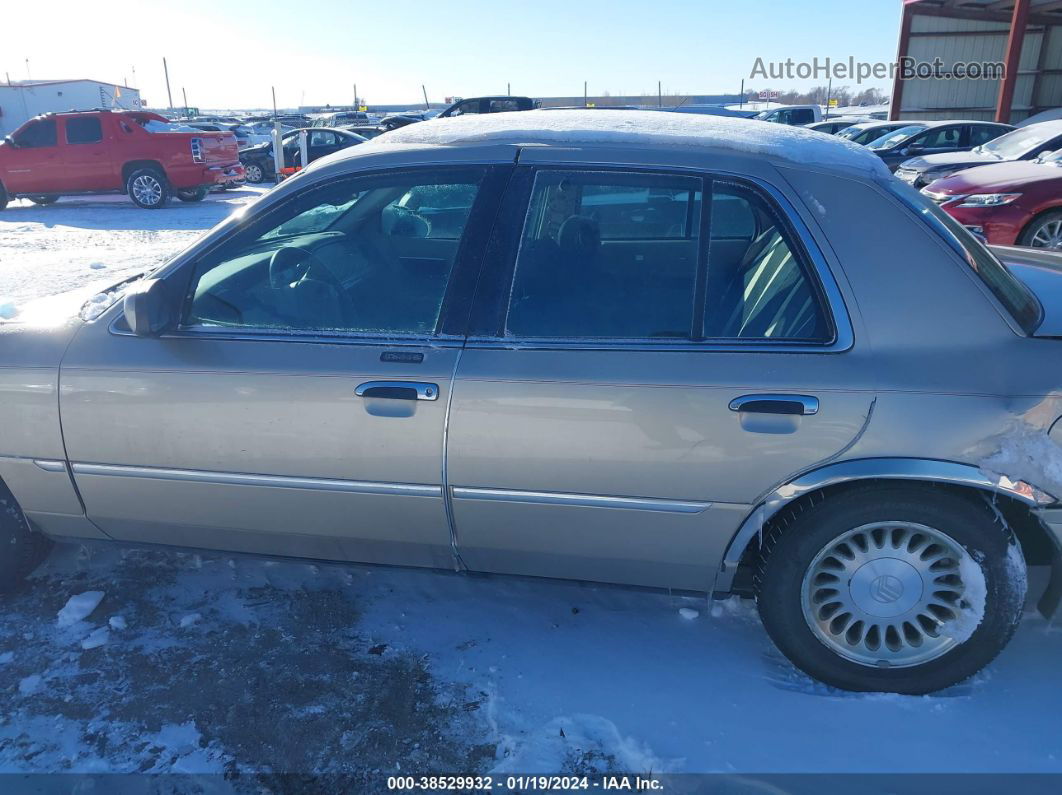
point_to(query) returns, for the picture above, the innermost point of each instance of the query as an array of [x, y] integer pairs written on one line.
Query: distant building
[[21, 100], [1024, 35]]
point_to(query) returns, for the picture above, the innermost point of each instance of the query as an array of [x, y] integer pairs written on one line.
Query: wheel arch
[[1054, 208], [133, 165], [743, 550]]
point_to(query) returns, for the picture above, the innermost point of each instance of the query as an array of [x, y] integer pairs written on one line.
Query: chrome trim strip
[[579, 500], [241, 479], [448, 495], [49, 465]]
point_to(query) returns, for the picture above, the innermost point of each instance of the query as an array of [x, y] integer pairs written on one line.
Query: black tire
[[43, 200], [3, 198], [254, 172], [148, 188], [23, 549], [194, 195], [1028, 234], [794, 542]]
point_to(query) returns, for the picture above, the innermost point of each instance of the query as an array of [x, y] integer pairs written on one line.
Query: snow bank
[[79, 607], [98, 637], [567, 741], [624, 128]]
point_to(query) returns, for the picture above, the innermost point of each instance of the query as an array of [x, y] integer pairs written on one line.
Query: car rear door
[[34, 164], [300, 406], [628, 392], [87, 154]]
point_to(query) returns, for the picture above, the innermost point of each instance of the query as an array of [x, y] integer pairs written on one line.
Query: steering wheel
[[291, 264]]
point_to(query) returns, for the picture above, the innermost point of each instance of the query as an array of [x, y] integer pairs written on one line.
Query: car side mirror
[[148, 308], [10, 142], [914, 149]]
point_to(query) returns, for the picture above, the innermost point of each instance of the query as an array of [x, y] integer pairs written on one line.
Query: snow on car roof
[[648, 128]]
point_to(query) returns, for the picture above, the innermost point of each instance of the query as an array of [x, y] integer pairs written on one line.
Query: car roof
[[638, 130]]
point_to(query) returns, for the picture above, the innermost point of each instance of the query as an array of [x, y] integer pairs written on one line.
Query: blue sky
[[227, 53]]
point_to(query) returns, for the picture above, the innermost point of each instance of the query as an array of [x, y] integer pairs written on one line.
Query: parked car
[[791, 114], [526, 354], [137, 153], [867, 132], [934, 137], [242, 138], [499, 104], [1010, 203], [341, 118], [368, 131], [396, 120], [1024, 143], [836, 124], [258, 160]]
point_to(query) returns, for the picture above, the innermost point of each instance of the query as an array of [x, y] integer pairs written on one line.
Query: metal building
[[1024, 35], [23, 99]]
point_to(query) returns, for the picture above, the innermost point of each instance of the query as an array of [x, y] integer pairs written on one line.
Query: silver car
[[694, 353]]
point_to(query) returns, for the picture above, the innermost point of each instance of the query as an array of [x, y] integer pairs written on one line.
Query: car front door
[[299, 407], [627, 391], [86, 155], [34, 163]]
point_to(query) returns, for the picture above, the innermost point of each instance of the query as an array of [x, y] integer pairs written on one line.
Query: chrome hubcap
[[147, 189], [254, 173], [1049, 235], [888, 594]]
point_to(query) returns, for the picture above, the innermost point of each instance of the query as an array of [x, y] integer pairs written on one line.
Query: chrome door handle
[[776, 404], [398, 390]]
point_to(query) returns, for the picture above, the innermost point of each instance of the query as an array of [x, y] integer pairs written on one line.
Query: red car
[[140, 154], [1012, 203]]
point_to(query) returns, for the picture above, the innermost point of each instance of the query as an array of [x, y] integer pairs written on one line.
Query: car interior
[[613, 261], [377, 261]]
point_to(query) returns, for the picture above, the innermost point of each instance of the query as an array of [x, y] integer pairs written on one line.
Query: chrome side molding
[[242, 479], [580, 500]]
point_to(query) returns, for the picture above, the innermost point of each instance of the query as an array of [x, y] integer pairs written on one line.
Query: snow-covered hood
[[1041, 271], [73, 306]]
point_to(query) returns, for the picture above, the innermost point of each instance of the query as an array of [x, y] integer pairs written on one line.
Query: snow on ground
[[78, 240], [205, 663]]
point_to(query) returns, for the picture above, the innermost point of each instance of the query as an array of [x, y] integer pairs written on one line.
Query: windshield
[[1015, 297], [895, 137], [1015, 144]]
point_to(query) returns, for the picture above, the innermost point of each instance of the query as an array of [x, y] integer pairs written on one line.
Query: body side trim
[[581, 500], [243, 479]]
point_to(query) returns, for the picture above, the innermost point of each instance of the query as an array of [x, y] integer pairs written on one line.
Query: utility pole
[[508, 89], [28, 75], [357, 105], [742, 103], [584, 94], [659, 94], [185, 95], [829, 90], [425, 91], [169, 95]]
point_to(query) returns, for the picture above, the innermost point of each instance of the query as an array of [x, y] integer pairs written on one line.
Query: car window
[[503, 105], [616, 256], [940, 138], [358, 255], [466, 107], [36, 134], [322, 138], [982, 133], [890, 139], [801, 116], [83, 130]]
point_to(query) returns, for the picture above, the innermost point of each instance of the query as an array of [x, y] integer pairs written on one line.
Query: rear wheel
[[148, 188], [3, 197], [253, 172], [42, 200], [194, 195], [894, 588], [22, 549], [1044, 231]]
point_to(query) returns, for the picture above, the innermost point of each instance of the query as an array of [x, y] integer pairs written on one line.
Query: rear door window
[[622, 256], [83, 130]]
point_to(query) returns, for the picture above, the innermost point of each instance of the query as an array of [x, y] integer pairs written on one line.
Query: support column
[[1018, 22], [901, 52]]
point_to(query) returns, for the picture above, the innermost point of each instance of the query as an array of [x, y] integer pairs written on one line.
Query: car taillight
[[197, 150]]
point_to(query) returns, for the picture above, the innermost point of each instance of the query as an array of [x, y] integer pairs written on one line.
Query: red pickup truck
[[137, 153]]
